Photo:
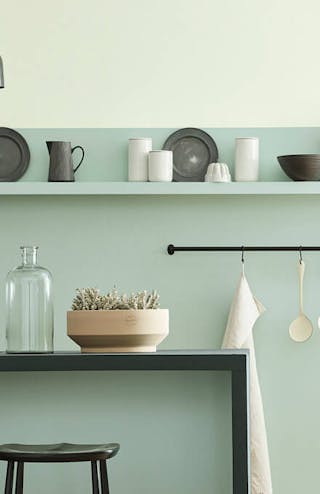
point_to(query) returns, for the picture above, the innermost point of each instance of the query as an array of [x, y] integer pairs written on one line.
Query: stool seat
[[61, 452], [16, 455]]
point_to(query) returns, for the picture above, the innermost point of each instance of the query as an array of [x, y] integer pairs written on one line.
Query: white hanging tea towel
[[244, 312]]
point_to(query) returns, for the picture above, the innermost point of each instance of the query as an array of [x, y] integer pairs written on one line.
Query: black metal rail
[[243, 248]]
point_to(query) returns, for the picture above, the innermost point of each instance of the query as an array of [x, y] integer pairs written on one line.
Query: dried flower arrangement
[[92, 299]]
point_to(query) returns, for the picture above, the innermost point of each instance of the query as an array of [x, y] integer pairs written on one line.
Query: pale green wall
[[163, 64], [101, 241], [172, 428], [120, 63]]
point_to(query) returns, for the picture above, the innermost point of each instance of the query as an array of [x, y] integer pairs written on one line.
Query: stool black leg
[[94, 473], [19, 479], [104, 477], [9, 478]]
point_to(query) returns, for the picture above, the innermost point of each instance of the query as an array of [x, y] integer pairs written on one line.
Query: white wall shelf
[[154, 188]]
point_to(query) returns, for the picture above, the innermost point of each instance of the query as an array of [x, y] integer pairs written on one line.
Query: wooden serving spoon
[[301, 328]]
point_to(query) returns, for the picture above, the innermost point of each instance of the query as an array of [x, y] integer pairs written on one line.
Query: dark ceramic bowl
[[301, 167]]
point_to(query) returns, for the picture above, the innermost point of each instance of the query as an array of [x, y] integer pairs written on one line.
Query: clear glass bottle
[[29, 326]]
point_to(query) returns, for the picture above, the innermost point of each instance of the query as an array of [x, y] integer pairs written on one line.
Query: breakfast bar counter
[[235, 361]]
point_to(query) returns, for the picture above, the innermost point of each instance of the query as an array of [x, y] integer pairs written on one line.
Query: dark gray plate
[[14, 155], [193, 150]]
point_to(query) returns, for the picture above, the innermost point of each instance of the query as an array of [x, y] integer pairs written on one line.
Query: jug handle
[[73, 149]]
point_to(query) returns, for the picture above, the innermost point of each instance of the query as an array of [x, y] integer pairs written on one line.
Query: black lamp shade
[[1, 74]]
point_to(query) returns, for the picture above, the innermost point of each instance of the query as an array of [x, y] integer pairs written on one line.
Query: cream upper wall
[[122, 63]]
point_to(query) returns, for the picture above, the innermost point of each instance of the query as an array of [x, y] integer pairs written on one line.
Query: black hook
[[300, 254], [242, 254]]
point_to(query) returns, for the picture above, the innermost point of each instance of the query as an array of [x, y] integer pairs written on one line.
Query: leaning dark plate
[[14, 155], [193, 150]]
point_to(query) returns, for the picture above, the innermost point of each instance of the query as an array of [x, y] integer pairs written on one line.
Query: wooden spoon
[[301, 328]]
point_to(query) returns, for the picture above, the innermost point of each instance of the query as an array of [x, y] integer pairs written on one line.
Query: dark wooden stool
[[57, 453]]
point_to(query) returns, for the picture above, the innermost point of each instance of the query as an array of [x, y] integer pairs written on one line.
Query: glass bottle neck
[[29, 256]]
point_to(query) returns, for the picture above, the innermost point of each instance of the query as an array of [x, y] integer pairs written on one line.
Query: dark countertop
[[224, 360]]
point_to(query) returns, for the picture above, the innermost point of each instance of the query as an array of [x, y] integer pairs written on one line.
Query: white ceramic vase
[[247, 159], [138, 150]]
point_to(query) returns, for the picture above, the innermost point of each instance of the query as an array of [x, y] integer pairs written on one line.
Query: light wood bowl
[[118, 330]]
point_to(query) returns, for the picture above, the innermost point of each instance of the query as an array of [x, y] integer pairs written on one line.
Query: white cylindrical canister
[[160, 166], [138, 150], [247, 159]]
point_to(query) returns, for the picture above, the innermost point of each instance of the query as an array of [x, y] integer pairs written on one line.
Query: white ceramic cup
[[160, 166], [247, 159], [138, 150]]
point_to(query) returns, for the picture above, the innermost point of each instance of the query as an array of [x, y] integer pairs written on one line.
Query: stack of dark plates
[[301, 167]]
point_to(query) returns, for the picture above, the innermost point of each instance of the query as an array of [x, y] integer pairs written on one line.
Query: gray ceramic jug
[[61, 163]]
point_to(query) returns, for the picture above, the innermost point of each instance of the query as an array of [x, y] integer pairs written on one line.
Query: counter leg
[[240, 431]]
